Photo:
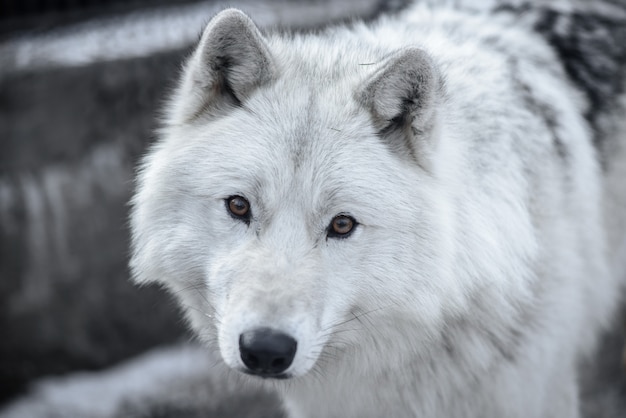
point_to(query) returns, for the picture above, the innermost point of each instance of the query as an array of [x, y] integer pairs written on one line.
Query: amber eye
[[238, 207], [341, 226]]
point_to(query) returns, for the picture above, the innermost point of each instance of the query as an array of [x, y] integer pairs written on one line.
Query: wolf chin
[[401, 218]]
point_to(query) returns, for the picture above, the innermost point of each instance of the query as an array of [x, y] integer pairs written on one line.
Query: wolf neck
[[426, 387], [355, 394]]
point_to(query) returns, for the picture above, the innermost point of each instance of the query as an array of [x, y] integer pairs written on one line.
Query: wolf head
[[294, 204]]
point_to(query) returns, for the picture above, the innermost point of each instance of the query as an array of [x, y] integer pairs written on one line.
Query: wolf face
[[279, 210]]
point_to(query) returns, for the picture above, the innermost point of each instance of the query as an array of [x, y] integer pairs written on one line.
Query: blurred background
[[81, 83]]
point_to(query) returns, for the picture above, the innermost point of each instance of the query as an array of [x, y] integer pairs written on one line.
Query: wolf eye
[[238, 207], [341, 226]]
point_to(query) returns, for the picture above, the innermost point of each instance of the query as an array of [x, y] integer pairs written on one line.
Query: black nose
[[266, 352]]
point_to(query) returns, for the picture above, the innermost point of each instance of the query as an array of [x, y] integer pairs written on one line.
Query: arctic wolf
[[398, 219]]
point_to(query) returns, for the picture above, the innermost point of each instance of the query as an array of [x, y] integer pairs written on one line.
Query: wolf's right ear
[[230, 62]]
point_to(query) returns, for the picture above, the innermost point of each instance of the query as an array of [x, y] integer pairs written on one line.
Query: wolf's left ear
[[231, 61], [402, 98]]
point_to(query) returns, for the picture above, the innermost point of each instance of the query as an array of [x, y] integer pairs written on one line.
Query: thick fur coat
[[456, 147]]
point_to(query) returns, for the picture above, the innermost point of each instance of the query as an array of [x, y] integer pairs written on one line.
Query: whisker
[[186, 305], [338, 331], [197, 287]]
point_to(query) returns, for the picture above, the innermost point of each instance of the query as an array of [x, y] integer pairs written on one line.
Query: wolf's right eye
[[239, 208]]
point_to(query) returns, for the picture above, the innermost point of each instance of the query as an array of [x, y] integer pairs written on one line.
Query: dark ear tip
[[231, 13], [227, 22], [230, 17], [420, 59], [413, 53]]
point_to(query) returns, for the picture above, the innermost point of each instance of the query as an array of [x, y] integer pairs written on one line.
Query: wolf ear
[[402, 99], [231, 61]]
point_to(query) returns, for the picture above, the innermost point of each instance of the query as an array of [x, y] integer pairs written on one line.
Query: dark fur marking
[[398, 135], [447, 345], [399, 131], [592, 49], [506, 347], [222, 66], [545, 112], [507, 343], [594, 55]]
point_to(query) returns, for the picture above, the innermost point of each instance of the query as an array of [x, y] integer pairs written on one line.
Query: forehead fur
[[316, 143]]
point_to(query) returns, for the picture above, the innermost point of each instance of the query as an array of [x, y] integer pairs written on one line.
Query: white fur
[[477, 276]]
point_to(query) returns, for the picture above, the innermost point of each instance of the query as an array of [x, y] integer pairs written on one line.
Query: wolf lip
[[278, 376]]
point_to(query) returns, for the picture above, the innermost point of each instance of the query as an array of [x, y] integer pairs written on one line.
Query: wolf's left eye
[[341, 226], [239, 208]]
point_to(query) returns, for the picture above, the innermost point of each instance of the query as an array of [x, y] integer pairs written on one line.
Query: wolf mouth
[[278, 376]]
